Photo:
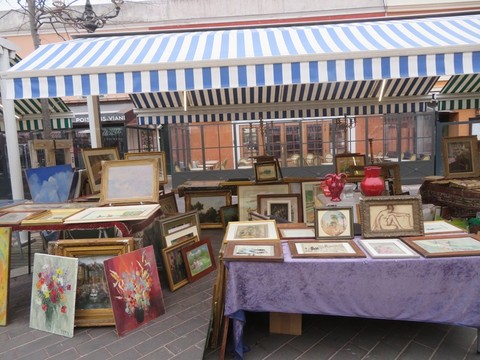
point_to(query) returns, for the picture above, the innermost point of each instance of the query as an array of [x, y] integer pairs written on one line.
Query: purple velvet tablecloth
[[440, 290]]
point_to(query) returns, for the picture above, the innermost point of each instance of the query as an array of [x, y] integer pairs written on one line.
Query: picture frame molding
[[473, 156], [352, 250], [412, 241], [88, 154], [231, 246], [186, 250], [322, 234], [260, 167], [406, 251], [235, 226], [294, 201], [225, 194]]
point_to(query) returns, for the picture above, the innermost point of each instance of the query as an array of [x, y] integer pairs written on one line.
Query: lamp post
[[345, 123]]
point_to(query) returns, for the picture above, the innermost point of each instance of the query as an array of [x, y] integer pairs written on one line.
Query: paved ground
[[181, 332]]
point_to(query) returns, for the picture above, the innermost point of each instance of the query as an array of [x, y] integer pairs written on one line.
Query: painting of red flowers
[[134, 288], [54, 286]]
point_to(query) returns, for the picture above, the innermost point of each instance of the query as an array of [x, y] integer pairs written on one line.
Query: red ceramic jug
[[372, 184]]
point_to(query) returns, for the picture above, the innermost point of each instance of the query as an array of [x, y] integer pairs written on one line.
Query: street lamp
[[345, 123]]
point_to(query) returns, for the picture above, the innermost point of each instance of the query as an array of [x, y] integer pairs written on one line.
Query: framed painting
[[460, 156], [159, 155], [121, 182], [310, 200], [286, 207], [253, 251], [266, 171], [48, 206], [445, 245], [343, 162], [325, 249], [252, 230], [228, 213], [247, 197], [391, 216], [5, 241], [334, 223], [175, 265], [387, 249], [113, 213], [440, 227], [177, 228], [92, 158], [52, 306], [50, 184], [199, 259], [168, 203], [134, 289], [92, 304], [54, 216], [208, 204], [16, 217]]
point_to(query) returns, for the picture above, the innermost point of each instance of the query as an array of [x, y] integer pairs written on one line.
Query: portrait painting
[[5, 240], [50, 184], [52, 306], [460, 156], [134, 289]]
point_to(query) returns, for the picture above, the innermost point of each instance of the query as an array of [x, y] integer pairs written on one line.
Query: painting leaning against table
[[5, 238]]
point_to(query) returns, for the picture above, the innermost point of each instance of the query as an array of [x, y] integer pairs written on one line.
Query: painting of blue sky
[[50, 184]]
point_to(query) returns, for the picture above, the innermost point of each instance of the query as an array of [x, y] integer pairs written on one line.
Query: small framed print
[[387, 249], [391, 216], [175, 265], [343, 162], [199, 259], [168, 203], [445, 245], [253, 251], [325, 249], [285, 207], [266, 171], [228, 213], [334, 223], [252, 230], [460, 156], [440, 227], [208, 204]]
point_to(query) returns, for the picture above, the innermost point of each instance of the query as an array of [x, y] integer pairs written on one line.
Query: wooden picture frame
[[159, 155], [310, 200], [266, 171], [168, 203], [334, 223], [387, 249], [343, 162], [54, 216], [440, 227], [113, 213], [253, 251], [92, 158], [178, 228], [228, 213], [445, 245], [460, 156], [92, 305], [247, 197], [175, 265], [5, 244], [208, 204], [296, 231], [16, 217], [391, 216], [262, 230], [199, 259], [325, 249], [129, 181], [286, 207]]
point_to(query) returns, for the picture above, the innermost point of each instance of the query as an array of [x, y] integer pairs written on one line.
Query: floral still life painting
[[53, 294], [134, 288], [5, 239]]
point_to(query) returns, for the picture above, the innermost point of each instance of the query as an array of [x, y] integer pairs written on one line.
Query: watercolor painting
[[54, 288], [50, 184], [134, 287], [5, 238]]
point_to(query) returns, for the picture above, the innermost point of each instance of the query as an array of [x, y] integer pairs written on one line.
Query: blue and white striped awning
[[241, 58]]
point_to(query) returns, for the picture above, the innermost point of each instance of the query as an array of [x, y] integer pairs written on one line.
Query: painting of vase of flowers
[[134, 289], [54, 285]]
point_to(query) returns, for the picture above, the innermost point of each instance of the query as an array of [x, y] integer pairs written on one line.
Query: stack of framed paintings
[[179, 227], [92, 305]]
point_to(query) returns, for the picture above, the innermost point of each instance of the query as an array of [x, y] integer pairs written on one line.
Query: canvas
[[54, 288], [5, 238], [50, 184], [134, 287]]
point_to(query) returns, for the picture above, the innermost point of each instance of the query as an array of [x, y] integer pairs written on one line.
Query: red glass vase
[[372, 184], [335, 185]]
